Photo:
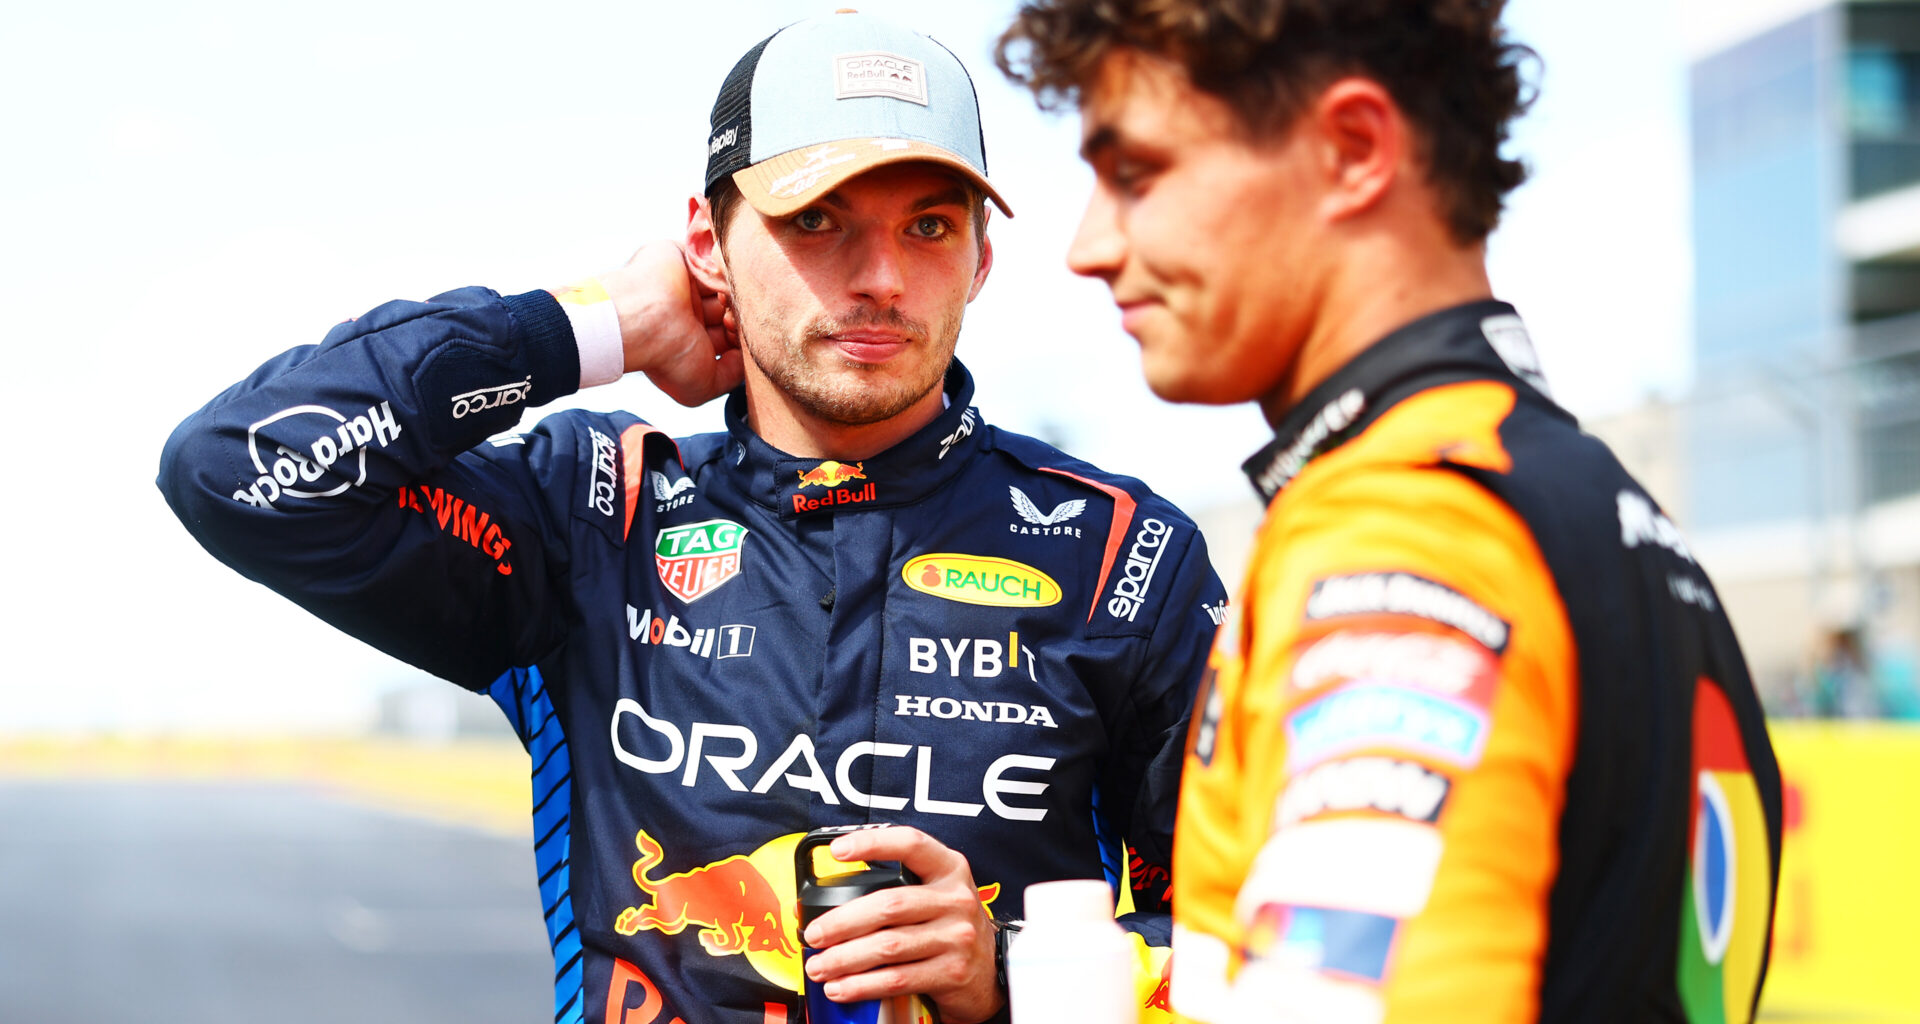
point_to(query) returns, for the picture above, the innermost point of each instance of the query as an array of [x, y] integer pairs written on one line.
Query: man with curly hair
[[1479, 743]]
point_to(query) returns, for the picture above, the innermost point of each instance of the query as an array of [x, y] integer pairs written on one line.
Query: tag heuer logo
[[697, 558]]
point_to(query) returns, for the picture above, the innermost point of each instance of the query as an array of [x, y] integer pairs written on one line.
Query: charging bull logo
[[828, 476], [732, 902], [831, 474], [745, 905]]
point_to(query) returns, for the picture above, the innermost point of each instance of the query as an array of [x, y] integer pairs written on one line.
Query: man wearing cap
[[857, 603]]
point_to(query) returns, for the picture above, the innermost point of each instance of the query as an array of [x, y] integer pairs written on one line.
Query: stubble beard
[[803, 366]]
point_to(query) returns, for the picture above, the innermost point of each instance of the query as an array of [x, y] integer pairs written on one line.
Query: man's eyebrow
[[955, 196], [1097, 141]]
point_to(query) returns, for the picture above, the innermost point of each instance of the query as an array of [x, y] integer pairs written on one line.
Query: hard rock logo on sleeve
[[316, 452]]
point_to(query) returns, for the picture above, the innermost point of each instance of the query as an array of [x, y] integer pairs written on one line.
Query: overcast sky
[[191, 187]]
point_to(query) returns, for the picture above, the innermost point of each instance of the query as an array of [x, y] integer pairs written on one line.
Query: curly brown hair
[[1447, 64]]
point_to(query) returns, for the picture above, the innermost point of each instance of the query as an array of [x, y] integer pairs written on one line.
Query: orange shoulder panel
[[1369, 814]]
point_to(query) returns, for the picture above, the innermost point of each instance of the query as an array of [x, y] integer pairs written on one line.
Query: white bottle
[[1071, 963]]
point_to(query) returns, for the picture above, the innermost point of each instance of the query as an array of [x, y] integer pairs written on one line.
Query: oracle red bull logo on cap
[[981, 579], [739, 906], [695, 559]]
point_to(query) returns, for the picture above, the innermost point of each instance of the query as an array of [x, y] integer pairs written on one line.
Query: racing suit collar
[[903, 474], [1476, 341]]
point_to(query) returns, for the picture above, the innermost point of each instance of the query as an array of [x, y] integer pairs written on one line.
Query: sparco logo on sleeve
[[484, 399], [1136, 578], [326, 440], [602, 483]]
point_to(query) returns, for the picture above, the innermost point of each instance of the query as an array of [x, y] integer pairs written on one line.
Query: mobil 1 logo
[[734, 640]]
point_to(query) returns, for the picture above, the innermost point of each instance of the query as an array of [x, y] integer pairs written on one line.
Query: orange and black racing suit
[[1479, 743]]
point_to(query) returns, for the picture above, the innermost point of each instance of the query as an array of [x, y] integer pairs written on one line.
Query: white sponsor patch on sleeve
[[1403, 593], [1378, 865], [1361, 716], [1424, 660], [1384, 784], [1266, 991]]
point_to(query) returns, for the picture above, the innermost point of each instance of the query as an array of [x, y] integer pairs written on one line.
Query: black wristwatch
[[1003, 933]]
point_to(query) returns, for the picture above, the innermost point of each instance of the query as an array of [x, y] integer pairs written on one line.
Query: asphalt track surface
[[175, 902]]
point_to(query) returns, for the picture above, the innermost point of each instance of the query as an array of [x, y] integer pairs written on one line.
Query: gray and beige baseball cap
[[828, 98]]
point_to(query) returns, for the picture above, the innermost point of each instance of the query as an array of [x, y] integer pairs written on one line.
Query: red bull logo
[[839, 496], [829, 476], [730, 900], [832, 474], [743, 905]]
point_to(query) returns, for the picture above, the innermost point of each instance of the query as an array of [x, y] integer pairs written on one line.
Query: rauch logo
[[695, 559], [980, 579]]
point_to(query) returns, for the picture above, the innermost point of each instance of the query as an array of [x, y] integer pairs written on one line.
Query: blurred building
[[1802, 481]]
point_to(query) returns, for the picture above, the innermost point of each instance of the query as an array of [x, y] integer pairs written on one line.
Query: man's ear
[[704, 255], [986, 262], [1364, 142]]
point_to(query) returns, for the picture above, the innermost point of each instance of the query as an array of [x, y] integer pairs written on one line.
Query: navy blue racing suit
[[709, 647]]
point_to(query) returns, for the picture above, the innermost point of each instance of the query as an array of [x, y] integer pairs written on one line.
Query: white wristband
[[596, 332]]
